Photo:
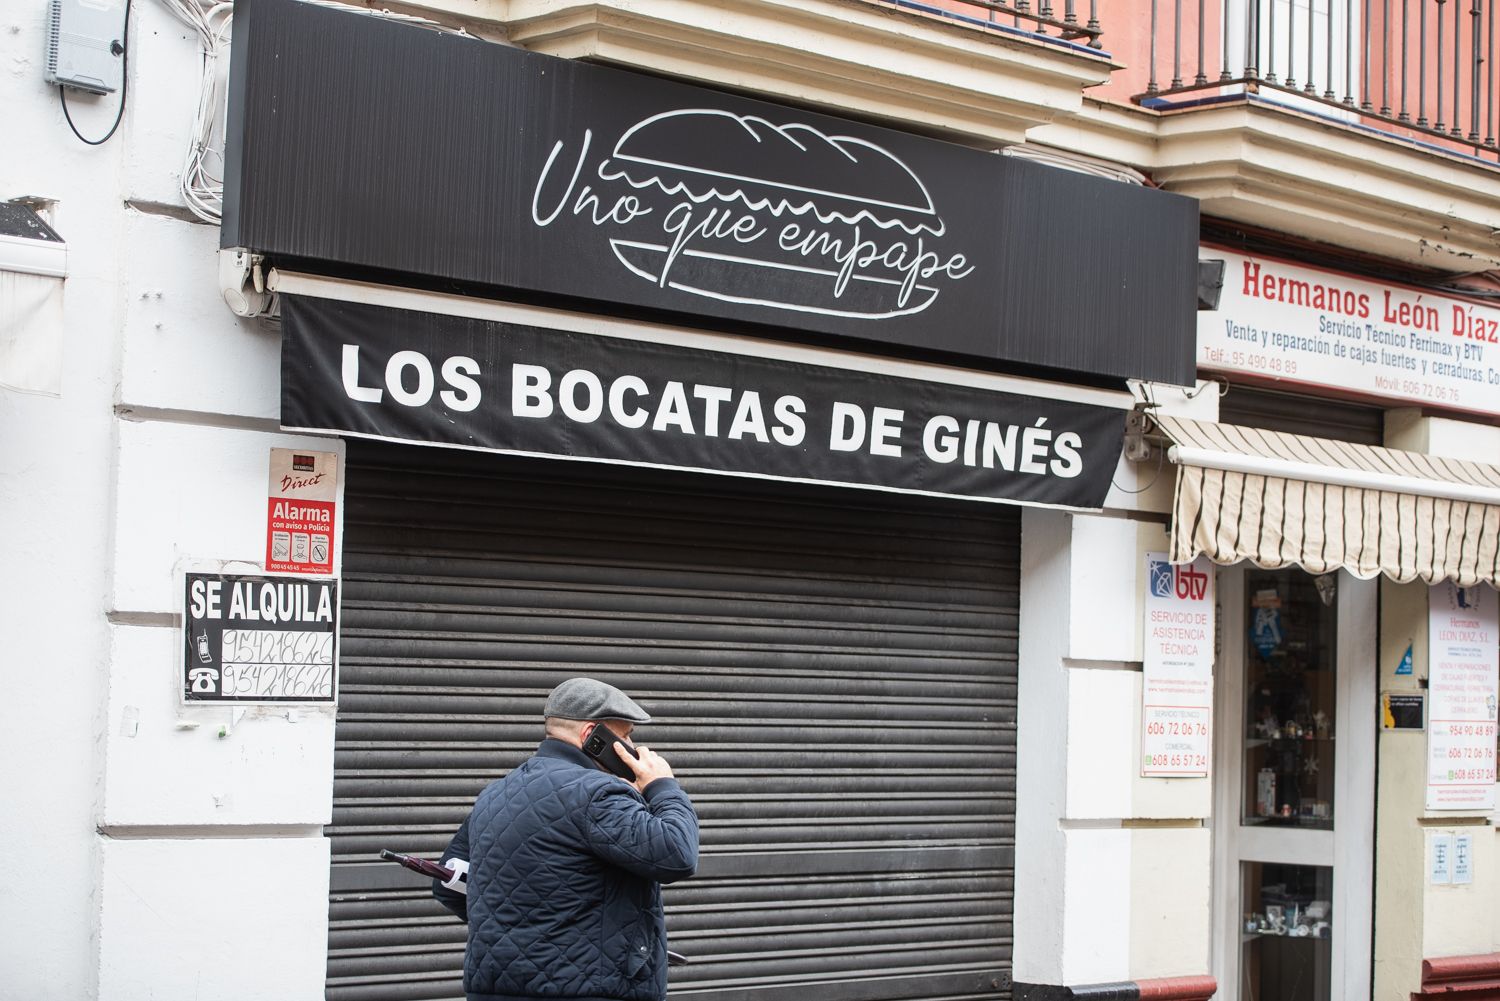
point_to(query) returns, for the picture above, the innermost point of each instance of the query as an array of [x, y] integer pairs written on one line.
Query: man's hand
[[649, 767]]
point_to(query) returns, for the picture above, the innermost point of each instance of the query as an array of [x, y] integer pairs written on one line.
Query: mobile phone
[[600, 745]]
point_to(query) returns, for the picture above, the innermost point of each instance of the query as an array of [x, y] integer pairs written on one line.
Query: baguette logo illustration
[[740, 209]]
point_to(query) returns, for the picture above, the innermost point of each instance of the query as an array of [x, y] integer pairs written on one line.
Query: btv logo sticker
[[1167, 581], [1161, 579]]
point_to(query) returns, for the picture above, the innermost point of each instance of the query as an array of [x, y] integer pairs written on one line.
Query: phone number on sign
[[278, 681], [1263, 363], [1287, 367], [1443, 394], [1471, 729], [1171, 728], [1176, 761]]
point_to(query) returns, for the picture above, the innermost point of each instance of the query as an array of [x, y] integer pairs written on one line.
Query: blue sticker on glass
[[1265, 631]]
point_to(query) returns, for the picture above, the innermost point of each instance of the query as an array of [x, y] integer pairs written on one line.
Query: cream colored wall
[[1415, 920], [1171, 898], [1401, 787], [1460, 920], [1452, 439]]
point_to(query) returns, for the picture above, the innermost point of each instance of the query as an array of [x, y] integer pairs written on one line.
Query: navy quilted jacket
[[565, 867]]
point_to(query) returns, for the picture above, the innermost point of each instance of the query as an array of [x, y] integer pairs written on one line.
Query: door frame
[[1350, 847]]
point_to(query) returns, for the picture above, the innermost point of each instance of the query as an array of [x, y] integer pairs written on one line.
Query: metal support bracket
[[1137, 423], [242, 282]]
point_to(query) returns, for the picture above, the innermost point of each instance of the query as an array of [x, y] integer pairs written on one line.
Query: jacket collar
[[564, 751]]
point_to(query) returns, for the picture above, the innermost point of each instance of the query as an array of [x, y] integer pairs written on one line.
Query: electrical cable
[[124, 54], [1159, 453], [201, 181], [1223, 384]]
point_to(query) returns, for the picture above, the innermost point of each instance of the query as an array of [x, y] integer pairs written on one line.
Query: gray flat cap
[[585, 698]]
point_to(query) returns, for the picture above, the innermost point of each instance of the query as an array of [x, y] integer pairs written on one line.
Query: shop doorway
[[1294, 785]]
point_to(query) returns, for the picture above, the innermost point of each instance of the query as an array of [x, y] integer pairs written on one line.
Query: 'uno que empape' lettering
[[784, 217]]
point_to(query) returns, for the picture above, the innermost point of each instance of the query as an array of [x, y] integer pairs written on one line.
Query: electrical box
[[85, 43]]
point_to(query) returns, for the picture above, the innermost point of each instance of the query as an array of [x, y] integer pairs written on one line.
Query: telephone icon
[[204, 679]]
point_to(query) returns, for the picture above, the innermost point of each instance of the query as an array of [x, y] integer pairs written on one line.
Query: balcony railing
[[1423, 69], [1055, 18]]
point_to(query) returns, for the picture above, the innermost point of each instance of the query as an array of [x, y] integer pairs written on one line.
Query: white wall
[[154, 828], [1041, 751], [54, 494], [1112, 869], [234, 920], [1408, 429]]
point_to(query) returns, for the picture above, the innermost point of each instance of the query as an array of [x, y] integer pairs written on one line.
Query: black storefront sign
[[368, 147], [256, 639], [354, 368]]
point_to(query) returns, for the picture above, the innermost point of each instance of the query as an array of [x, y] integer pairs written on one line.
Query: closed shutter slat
[[833, 675]]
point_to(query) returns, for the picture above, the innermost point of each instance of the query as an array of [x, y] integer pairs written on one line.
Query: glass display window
[[1287, 941], [1290, 701]]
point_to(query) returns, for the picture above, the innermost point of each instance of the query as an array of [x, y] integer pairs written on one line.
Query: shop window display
[[1290, 693], [1287, 949]]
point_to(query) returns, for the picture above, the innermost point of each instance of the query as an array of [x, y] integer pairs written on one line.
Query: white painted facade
[[177, 852]]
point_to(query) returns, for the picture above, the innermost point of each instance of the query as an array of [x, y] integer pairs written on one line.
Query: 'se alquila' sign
[[1321, 328]]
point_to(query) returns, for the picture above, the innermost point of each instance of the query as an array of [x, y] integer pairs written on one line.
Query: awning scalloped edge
[[1397, 521]]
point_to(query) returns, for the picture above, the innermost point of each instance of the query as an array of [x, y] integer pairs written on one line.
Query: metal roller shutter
[[1306, 415], [834, 675]]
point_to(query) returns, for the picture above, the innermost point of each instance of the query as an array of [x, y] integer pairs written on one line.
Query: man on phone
[[565, 860]]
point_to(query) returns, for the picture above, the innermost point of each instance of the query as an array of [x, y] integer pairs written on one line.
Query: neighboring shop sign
[[1464, 685], [410, 376], [625, 190], [1177, 683], [1322, 328], [260, 639], [300, 511]]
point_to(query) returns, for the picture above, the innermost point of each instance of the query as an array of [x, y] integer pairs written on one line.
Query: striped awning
[[1280, 499]]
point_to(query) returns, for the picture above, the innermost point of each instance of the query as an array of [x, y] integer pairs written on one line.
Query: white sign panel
[[1442, 860], [1463, 686], [1463, 859], [1321, 328], [1177, 687]]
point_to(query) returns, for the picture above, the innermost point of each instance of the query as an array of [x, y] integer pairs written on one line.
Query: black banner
[[435, 379], [366, 144]]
